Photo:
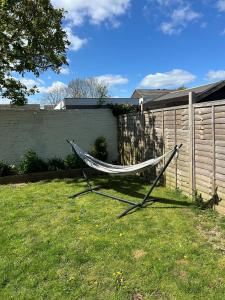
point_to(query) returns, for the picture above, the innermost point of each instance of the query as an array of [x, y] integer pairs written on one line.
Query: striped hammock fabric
[[115, 169]]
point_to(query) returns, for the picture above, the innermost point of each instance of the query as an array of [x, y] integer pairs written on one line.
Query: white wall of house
[[46, 132]]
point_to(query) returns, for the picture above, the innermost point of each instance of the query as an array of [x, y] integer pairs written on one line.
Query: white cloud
[[56, 85], [96, 10], [29, 82], [171, 79], [112, 80], [179, 19], [221, 5], [64, 71], [184, 14], [169, 2], [215, 75], [76, 42], [172, 15], [166, 3], [169, 28]]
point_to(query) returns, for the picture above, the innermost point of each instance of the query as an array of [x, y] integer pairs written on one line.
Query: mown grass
[[52, 247]]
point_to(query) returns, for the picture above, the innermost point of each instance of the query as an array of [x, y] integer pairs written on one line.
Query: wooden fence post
[[175, 142], [213, 145], [163, 135], [191, 143]]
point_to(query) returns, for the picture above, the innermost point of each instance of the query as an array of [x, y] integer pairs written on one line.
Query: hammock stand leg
[[115, 198], [94, 189], [146, 198], [89, 189], [134, 205]]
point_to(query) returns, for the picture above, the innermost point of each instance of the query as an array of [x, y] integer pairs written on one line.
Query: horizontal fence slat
[[171, 125]]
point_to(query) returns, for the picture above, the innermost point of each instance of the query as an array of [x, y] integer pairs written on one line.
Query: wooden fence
[[199, 127]]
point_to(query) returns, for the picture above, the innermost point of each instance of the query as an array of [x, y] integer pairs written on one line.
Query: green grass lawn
[[52, 247]]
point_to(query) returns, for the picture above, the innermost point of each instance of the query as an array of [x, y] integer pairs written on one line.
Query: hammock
[[115, 169], [124, 170]]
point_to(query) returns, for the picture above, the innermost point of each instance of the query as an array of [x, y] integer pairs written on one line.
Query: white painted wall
[[46, 132]]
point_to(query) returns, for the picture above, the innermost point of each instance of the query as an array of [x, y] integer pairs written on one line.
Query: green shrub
[[210, 204], [5, 169], [55, 164], [31, 163], [122, 109], [198, 200], [99, 149], [72, 161]]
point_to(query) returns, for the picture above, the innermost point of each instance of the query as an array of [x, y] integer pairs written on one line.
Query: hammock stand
[[134, 205]]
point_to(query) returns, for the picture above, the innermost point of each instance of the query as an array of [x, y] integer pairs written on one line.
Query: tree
[[31, 40], [55, 94], [77, 88], [88, 88], [181, 88]]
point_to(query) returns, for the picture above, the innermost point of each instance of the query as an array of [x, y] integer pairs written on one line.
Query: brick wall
[[46, 131]]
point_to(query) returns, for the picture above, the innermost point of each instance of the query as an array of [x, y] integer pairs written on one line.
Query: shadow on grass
[[128, 186], [131, 186], [124, 185], [173, 204], [171, 201]]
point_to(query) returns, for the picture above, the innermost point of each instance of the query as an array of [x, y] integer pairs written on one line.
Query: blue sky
[[141, 43]]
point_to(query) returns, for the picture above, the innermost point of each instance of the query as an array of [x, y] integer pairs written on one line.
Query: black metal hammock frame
[[133, 205]]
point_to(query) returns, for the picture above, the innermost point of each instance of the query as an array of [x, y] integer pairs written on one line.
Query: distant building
[[166, 98], [149, 95], [20, 107], [87, 103]]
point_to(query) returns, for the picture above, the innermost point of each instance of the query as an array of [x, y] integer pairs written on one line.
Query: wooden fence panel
[[220, 151], [182, 136], [203, 142], [152, 133], [169, 142]]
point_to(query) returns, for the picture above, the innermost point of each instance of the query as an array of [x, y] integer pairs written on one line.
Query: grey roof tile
[[183, 93]]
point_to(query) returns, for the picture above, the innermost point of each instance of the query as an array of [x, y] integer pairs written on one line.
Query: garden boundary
[[46, 132], [49, 175], [199, 127]]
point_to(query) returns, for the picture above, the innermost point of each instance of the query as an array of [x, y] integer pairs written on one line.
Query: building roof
[[22, 107], [207, 92], [148, 94], [93, 102], [199, 91]]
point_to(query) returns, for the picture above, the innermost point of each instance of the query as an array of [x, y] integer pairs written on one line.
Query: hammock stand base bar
[[115, 198], [143, 204], [88, 190], [94, 189]]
